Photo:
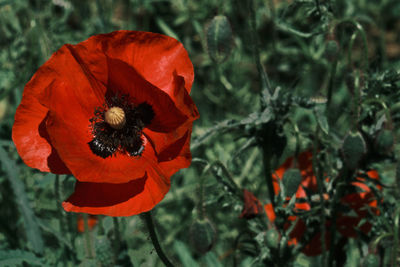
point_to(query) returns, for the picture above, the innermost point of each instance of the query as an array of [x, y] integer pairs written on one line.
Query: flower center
[[117, 127], [115, 117]]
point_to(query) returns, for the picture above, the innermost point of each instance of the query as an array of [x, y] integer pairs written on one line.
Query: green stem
[[61, 219], [88, 238], [320, 183], [273, 17], [200, 206], [343, 176], [265, 101], [359, 30], [117, 238], [228, 175], [330, 87], [356, 100], [266, 150], [153, 236], [318, 6], [265, 84], [396, 237]]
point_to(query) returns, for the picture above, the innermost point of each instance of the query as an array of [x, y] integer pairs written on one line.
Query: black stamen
[[146, 113], [107, 140], [101, 150]]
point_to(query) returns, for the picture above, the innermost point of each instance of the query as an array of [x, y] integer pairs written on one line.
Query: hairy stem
[[154, 239]]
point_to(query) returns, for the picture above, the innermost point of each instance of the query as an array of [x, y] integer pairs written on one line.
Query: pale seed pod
[[115, 117]]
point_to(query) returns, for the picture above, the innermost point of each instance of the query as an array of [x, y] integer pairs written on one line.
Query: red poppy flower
[[115, 112], [92, 221], [251, 206], [360, 202]]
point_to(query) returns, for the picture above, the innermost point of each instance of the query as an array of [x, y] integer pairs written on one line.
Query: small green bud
[[202, 235], [272, 238], [291, 180], [219, 39], [331, 50], [353, 148]]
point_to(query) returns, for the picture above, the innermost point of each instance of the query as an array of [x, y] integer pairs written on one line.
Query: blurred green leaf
[[322, 120], [165, 28], [184, 254], [33, 232], [9, 258], [211, 260]]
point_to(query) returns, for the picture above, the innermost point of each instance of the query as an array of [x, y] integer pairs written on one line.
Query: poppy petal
[[182, 99], [29, 132], [180, 152], [172, 149], [124, 79], [77, 72], [251, 205], [269, 210], [142, 51], [131, 198]]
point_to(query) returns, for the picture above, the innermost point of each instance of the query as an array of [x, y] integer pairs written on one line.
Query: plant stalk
[[154, 239], [88, 238]]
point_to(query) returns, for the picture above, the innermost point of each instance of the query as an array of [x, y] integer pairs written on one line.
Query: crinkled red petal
[[251, 205], [162, 60], [124, 79], [314, 246], [29, 131], [172, 149], [269, 210], [153, 55], [126, 199]]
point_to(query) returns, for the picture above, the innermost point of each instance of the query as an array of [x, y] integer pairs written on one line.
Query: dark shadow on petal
[[173, 150], [54, 162], [124, 79], [105, 194]]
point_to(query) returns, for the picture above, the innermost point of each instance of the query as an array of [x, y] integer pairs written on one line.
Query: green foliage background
[[292, 39]]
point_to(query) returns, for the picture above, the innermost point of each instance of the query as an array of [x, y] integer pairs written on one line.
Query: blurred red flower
[[115, 112], [92, 221], [359, 202], [251, 206]]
